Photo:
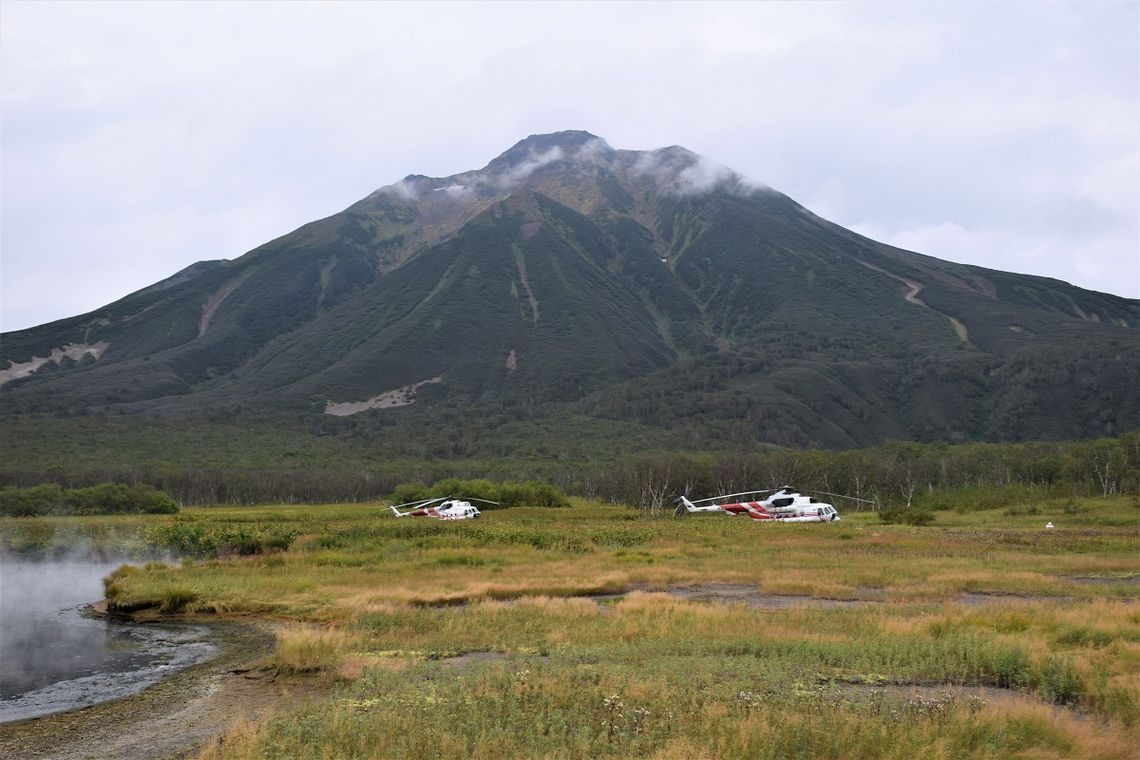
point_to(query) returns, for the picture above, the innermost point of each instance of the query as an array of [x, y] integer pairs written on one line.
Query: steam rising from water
[[34, 647], [53, 657]]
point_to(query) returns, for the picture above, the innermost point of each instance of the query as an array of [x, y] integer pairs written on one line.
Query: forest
[[928, 476]]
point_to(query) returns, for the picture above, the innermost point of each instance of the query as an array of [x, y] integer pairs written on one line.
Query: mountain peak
[[567, 139], [551, 146]]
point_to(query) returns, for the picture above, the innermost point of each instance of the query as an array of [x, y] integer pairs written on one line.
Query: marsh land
[[595, 631]]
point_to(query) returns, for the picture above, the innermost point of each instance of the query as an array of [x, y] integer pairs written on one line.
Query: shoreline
[[174, 717]]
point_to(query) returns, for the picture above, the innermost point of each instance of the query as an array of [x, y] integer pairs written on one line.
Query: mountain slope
[[639, 286]]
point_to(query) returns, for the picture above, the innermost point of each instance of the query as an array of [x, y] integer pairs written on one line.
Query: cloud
[[703, 175], [529, 166], [454, 191], [404, 189], [120, 117], [680, 171], [593, 151]]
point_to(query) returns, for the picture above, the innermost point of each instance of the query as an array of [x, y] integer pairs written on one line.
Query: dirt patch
[[173, 718], [387, 400], [211, 306], [728, 593], [752, 596], [472, 658], [911, 296], [72, 351], [1097, 580], [980, 598], [736, 593], [526, 285]]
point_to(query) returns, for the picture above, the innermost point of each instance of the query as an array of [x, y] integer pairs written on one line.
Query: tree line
[[895, 473]]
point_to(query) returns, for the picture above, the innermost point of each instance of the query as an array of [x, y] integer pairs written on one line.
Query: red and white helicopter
[[450, 508], [782, 505]]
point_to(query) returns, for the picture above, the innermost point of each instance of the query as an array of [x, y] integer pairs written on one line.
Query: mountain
[[567, 278]]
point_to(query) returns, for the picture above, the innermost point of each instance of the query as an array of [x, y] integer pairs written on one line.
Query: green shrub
[[197, 539], [906, 516], [1010, 668], [1059, 682], [1073, 508], [1071, 635], [28, 502], [102, 499]]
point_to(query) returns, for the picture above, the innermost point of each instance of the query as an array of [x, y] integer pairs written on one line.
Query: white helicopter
[[450, 508], [783, 505]]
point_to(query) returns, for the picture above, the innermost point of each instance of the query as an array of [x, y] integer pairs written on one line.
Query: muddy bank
[[752, 596], [171, 718], [1102, 580], [716, 593]]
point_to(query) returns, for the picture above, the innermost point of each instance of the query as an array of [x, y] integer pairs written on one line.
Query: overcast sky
[[137, 138]]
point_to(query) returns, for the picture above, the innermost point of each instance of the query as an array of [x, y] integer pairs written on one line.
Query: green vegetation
[[250, 460], [583, 632], [102, 499], [602, 296], [906, 515], [626, 344]]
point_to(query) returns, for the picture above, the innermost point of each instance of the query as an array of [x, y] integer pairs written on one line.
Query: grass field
[[591, 631]]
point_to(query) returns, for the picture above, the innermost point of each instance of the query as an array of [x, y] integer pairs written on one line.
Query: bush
[[532, 493], [103, 499], [197, 539], [906, 516], [1059, 682]]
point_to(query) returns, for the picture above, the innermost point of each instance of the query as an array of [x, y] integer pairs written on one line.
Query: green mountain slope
[[650, 288]]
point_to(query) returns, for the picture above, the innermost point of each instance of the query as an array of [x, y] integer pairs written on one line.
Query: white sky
[[137, 138]]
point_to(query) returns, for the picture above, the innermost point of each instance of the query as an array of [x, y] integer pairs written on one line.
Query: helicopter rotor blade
[[420, 503], [841, 496], [485, 501], [731, 495]]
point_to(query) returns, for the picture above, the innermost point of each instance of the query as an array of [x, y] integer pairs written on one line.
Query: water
[[54, 656]]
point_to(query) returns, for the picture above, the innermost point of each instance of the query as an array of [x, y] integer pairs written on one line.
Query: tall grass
[[590, 650], [536, 708]]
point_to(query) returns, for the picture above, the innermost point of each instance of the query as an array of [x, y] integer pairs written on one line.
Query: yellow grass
[[384, 606], [305, 649]]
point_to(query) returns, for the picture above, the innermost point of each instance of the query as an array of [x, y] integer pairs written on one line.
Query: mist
[[38, 643], [55, 656]]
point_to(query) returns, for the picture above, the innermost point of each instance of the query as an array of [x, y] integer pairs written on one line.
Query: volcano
[[566, 277]]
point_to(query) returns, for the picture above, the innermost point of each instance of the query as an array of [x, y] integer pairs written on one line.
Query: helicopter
[[782, 505], [450, 508]]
